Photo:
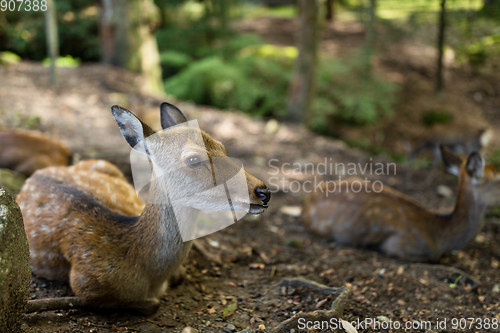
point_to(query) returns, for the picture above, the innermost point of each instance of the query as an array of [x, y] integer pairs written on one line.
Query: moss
[[15, 272]]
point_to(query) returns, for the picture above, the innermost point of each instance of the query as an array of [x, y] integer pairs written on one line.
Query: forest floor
[[258, 253]]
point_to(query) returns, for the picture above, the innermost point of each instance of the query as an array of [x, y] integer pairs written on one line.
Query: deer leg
[[177, 277], [407, 248], [148, 307]]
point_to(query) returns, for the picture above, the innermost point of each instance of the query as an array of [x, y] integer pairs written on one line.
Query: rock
[[15, 272], [231, 327], [11, 181], [189, 329], [444, 191], [242, 320]]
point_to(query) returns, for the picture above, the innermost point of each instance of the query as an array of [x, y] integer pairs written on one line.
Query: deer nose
[[263, 194]]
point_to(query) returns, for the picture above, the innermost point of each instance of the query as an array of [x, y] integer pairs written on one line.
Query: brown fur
[[398, 225], [27, 151]]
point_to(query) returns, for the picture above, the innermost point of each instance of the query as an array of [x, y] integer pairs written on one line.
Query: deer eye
[[194, 161]]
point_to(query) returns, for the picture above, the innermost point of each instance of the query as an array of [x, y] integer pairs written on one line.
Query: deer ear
[[475, 165], [170, 115], [451, 161], [132, 128]]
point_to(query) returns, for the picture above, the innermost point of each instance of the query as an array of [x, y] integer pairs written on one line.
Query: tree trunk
[[330, 10], [128, 41], [442, 24], [370, 37], [303, 83], [52, 38]]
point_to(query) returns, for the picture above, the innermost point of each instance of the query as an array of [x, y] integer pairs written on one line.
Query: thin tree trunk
[[442, 24], [330, 10], [303, 83], [52, 38], [370, 36]]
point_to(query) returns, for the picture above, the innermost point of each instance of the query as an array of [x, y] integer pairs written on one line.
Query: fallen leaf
[[383, 318], [320, 303], [229, 310], [348, 327], [423, 281]]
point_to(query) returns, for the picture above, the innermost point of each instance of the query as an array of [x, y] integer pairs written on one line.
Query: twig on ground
[[204, 252], [58, 303], [336, 309]]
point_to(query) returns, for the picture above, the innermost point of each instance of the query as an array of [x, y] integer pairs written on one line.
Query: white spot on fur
[[46, 229]]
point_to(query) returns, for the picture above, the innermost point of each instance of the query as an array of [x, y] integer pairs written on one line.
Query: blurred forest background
[[373, 73]]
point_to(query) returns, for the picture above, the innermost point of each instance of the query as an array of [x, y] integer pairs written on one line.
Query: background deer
[[27, 151], [458, 140], [77, 222], [398, 225]]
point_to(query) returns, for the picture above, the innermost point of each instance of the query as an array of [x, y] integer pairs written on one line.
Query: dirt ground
[[260, 252]]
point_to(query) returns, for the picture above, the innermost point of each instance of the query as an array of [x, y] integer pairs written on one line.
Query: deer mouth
[[257, 209]]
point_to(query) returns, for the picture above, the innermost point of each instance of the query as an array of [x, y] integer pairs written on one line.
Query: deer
[[383, 218], [79, 230], [460, 142], [27, 151]]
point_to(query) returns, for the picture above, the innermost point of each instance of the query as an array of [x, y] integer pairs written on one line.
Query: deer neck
[[161, 241], [467, 218]]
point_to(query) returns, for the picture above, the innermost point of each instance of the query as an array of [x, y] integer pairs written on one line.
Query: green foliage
[[476, 53], [242, 83], [433, 117], [64, 62], [198, 40], [173, 62], [206, 62], [78, 30], [9, 58], [346, 93]]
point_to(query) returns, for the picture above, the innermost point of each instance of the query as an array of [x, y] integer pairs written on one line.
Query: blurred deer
[[77, 222], [27, 151], [399, 226], [460, 142]]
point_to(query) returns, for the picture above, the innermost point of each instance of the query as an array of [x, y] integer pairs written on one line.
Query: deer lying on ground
[[77, 225], [459, 141], [27, 151], [396, 224]]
